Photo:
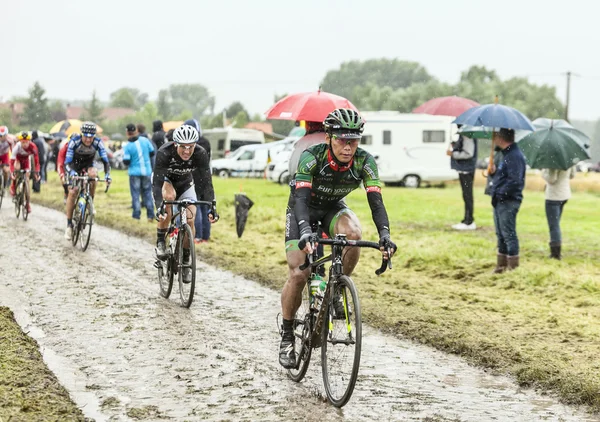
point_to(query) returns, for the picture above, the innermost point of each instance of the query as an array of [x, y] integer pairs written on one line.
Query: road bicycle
[[83, 213], [178, 235], [21, 193], [330, 318]]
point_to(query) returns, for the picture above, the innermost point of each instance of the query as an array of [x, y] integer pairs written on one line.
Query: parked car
[[595, 167]]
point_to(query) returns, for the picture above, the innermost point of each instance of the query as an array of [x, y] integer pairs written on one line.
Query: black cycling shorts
[[327, 216]]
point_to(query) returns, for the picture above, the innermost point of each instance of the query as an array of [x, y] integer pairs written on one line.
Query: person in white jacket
[[558, 192]]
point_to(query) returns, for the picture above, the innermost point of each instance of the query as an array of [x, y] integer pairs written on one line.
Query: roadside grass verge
[[28, 389], [538, 323]]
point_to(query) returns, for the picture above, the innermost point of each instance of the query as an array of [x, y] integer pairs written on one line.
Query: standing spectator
[[201, 223], [463, 158], [141, 130], [558, 192], [507, 195], [41, 148], [136, 155], [158, 137]]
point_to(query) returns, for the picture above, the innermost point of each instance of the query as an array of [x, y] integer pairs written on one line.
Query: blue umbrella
[[495, 116]]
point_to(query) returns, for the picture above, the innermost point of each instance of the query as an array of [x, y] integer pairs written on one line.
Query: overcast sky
[[251, 50]]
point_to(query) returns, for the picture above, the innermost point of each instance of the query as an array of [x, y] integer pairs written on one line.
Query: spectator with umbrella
[[509, 177], [555, 147], [463, 158]]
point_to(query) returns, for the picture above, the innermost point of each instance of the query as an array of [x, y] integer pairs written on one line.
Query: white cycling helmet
[[185, 134], [3, 130]]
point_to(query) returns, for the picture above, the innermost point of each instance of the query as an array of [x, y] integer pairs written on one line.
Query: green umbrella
[[554, 145]]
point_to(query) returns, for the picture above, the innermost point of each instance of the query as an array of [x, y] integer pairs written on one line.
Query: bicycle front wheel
[[341, 342], [24, 195], [85, 224], [18, 198], [1, 186], [186, 287], [303, 323]]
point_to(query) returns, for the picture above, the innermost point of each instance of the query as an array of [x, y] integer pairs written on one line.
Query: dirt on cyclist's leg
[[349, 225], [92, 172], [73, 192], [191, 217], [291, 295]]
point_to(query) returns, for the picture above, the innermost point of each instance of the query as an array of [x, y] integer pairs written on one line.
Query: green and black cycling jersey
[[321, 182]]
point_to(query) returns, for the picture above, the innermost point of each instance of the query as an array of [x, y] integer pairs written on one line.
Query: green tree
[[93, 110], [36, 109], [379, 72], [58, 111], [192, 97], [234, 109], [5, 117], [163, 105], [241, 119], [128, 98]]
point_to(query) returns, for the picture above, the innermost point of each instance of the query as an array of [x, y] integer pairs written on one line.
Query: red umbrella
[[310, 106], [446, 106]]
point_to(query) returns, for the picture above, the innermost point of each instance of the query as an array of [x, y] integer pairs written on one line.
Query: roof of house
[[109, 113], [262, 126]]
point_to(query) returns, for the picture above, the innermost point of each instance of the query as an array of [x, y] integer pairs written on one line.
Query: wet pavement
[[125, 353]]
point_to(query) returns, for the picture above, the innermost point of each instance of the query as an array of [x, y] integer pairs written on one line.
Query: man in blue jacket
[[137, 154], [507, 194]]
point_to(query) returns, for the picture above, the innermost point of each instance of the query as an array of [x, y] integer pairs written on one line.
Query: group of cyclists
[[326, 174]]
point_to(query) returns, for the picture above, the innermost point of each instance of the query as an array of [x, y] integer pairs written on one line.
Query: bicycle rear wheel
[[303, 324], [342, 338], [186, 290], [85, 223]]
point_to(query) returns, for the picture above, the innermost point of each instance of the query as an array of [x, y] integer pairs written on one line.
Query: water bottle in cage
[[317, 290]]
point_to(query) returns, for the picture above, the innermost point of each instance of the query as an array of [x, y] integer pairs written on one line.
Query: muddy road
[[125, 353]]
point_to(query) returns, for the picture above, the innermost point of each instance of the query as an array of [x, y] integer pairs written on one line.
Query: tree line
[[376, 84]]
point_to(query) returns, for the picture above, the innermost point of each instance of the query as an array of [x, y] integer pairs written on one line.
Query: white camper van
[[248, 160], [409, 148], [224, 141]]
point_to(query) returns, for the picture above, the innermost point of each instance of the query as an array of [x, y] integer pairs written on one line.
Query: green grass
[[538, 323], [28, 390]]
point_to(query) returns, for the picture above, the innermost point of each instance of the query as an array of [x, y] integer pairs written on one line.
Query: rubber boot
[[501, 263], [555, 251], [513, 262]]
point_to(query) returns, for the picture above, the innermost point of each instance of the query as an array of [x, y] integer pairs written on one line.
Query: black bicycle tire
[[297, 374], [2, 189], [185, 229], [341, 401], [168, 263], [168, 276], [24, 212], [76, 221], [18, 199], [82, 223]]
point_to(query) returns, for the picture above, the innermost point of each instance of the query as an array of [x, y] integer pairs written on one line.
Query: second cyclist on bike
[[79, 160], [326, 174], [173, 181]]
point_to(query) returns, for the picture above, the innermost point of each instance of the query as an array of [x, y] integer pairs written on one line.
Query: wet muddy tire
[[76, 226], [2, 189], [24, 212], [341, 344], [85, 227], [302, 333], [186, 290], [165, 277], [18, 200]]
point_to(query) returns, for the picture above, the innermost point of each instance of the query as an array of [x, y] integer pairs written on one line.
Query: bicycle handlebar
[[187, 202], [385, 263], [92, 179]]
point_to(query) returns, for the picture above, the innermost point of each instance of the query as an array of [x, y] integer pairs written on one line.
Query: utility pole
[[568, 94]]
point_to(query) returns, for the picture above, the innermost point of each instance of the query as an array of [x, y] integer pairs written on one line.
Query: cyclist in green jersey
[[326, 174]]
